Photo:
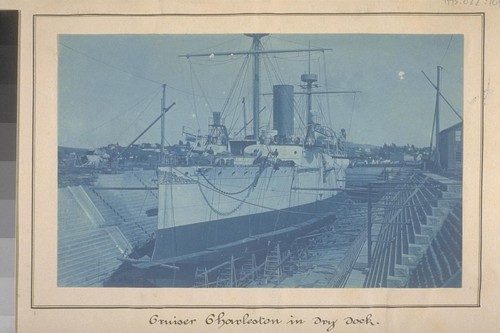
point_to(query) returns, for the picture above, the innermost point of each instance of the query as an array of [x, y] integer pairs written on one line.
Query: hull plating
[[203, 209], [198, 237]]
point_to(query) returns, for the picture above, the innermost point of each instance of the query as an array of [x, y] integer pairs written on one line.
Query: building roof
[[452, 128]]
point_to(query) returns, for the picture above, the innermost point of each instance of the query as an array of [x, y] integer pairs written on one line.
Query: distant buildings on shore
[[146, 155]]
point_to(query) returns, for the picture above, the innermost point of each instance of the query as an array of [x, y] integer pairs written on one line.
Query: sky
[[110, 86]]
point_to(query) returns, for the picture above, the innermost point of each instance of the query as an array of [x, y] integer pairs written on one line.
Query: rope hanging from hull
[[218, 212], [252, 184]]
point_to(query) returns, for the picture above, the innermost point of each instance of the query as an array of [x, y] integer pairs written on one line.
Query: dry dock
[[411, 220], [402, 228]]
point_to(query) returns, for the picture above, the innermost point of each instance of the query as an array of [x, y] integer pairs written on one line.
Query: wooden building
[[451, 147]]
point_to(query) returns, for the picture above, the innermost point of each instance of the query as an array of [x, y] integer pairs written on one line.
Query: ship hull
[[205, 209], [186, 243]]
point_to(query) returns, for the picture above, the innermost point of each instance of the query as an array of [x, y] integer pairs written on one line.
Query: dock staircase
[[414, 238]]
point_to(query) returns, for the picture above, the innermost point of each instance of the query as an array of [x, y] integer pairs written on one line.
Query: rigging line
[[202, 91], [299, 109], [319, 108], [329, 109], [446, 52], [166, 142], [268, 72], [188, 93], [457, 82], [230, 98], [172, 214], [270, 113], [136, 118], [109, 65], [233, 120], [237, 102], [277, 71], [432, 134], [120, 114], [216, 63], [269, 79], [127, 72], [292, 57], [217, 45], [320, 73], [234, 85], [274, 65], [270, 121], [297, 112], [268, 105], [195, 105], [289, 41], [442, 96], [275, 68], [267, 64], [352, 114], [242, 87]]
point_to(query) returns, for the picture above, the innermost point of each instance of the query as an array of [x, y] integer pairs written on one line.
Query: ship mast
[[256, 50], [256, 47], [162, 139], [244, 118], [309, 79]]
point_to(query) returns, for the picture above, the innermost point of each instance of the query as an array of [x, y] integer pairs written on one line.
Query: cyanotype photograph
[[260, 160]]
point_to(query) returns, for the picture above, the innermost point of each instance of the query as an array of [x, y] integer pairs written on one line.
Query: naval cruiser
[[238, 192]]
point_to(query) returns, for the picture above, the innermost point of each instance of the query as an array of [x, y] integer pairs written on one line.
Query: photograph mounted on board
[[260, 160]]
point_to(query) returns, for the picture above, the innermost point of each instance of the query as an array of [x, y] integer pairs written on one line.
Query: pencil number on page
[[472, 2]]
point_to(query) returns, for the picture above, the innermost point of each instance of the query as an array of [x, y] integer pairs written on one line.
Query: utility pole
[[369, 226], [162, 139], [438, 95]]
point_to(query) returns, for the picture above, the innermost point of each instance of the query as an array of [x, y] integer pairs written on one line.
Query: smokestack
[[216, 116], [283, 110]]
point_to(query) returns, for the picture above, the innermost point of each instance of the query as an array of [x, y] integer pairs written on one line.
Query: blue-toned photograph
[[260, 161]]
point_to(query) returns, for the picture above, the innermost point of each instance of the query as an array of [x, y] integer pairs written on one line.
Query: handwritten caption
[[223, 320], [473, 3]]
